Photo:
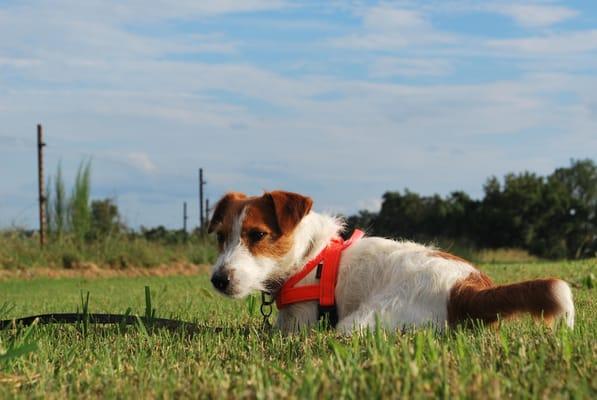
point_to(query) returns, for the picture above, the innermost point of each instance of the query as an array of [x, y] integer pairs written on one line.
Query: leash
[[148, 320]]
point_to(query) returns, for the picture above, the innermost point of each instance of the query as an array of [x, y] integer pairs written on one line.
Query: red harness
[[327, 263]]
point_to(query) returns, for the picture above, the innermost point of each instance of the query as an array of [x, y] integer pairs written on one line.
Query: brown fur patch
[[225, 209], [275, 213], [260, 216], [475, 298], [290, 208]]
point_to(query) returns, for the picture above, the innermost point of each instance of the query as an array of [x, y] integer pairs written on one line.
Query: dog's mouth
[[231, 291]]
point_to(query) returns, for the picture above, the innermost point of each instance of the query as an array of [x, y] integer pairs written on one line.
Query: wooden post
[[207, 211], [42, 194], [184, 217]]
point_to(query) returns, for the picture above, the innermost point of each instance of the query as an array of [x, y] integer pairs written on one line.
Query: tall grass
[[69, 214], [59, 205], [79, 203]]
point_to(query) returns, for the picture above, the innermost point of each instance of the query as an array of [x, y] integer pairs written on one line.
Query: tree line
[[552, 216]]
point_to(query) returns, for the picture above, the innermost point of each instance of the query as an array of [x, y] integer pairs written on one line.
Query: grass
[[519, 360], [118, 251]]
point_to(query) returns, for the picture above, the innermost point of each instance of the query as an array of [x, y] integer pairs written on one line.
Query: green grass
[[519, 360], [118, 251]]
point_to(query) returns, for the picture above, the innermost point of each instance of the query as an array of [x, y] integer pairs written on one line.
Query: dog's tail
[[476, 298]]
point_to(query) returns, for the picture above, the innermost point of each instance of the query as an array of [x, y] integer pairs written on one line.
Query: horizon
[[338, 101]]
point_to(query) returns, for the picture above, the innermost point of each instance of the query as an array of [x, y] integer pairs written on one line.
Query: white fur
[[562, 293], [397, 283]]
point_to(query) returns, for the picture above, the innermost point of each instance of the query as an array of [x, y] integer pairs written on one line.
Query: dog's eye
[[220, 237], [255, 235]]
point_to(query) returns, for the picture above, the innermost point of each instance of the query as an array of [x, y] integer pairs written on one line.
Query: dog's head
[[255, 234]]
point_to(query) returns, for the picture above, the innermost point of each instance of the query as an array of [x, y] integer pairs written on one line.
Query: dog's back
[[406, 284]]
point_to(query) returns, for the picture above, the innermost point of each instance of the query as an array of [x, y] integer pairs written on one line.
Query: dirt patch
[[90, 270]]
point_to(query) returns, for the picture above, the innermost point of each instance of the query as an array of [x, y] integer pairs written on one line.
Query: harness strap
[[327, 263]]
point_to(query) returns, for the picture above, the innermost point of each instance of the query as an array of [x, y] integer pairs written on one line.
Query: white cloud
[[113, 11], [550, 44], [534, 15], [141, 161], [18, 62], [390, 28], [103, 89], [387, 18], [384, 67]]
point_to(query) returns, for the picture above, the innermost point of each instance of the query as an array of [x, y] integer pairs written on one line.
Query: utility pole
[[185, 217], [207, 211], [201, 212], [42, 195]]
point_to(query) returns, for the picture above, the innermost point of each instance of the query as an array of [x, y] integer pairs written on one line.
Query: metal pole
[[184, 217], [42, 195]]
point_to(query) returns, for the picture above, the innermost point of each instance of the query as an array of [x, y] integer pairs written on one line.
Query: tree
[[105, 218], [577, 206]]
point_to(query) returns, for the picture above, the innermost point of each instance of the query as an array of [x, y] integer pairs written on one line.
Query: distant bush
[[20, 250]]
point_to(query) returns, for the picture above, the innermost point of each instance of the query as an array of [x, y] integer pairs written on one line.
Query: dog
[[265, 240]]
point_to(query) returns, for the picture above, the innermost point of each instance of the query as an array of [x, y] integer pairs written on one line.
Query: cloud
[[534, 15], [18, 62], [117, 11], [384, 67], [141, 161], [14, 141], [550, 44], [386, 18], [158, 105], [388, 28]]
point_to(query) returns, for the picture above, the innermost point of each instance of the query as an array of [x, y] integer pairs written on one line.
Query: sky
[[339, 100]]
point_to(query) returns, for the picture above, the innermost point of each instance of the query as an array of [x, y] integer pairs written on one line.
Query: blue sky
[[341, 100]]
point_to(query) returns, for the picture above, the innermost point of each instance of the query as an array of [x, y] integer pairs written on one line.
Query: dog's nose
[[220, 281]]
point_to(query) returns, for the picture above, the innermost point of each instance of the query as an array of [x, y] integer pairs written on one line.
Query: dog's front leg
[[362, 318], [297, 316]]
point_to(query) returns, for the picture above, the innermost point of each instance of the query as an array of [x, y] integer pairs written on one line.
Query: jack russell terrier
[[274, 243]]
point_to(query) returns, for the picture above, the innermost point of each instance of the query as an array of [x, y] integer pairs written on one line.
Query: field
[[521, 359]]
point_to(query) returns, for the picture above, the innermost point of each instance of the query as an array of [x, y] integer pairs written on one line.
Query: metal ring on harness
[[266, 308]]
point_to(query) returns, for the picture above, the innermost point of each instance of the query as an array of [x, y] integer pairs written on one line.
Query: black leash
[[128, 319]]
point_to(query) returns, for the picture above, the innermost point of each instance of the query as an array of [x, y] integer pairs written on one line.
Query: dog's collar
[[327, 263]]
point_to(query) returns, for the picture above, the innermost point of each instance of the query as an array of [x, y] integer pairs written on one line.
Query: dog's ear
[[290, 208], [222, 208]]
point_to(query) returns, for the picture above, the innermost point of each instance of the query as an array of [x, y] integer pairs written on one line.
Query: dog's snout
[[220, 281]]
